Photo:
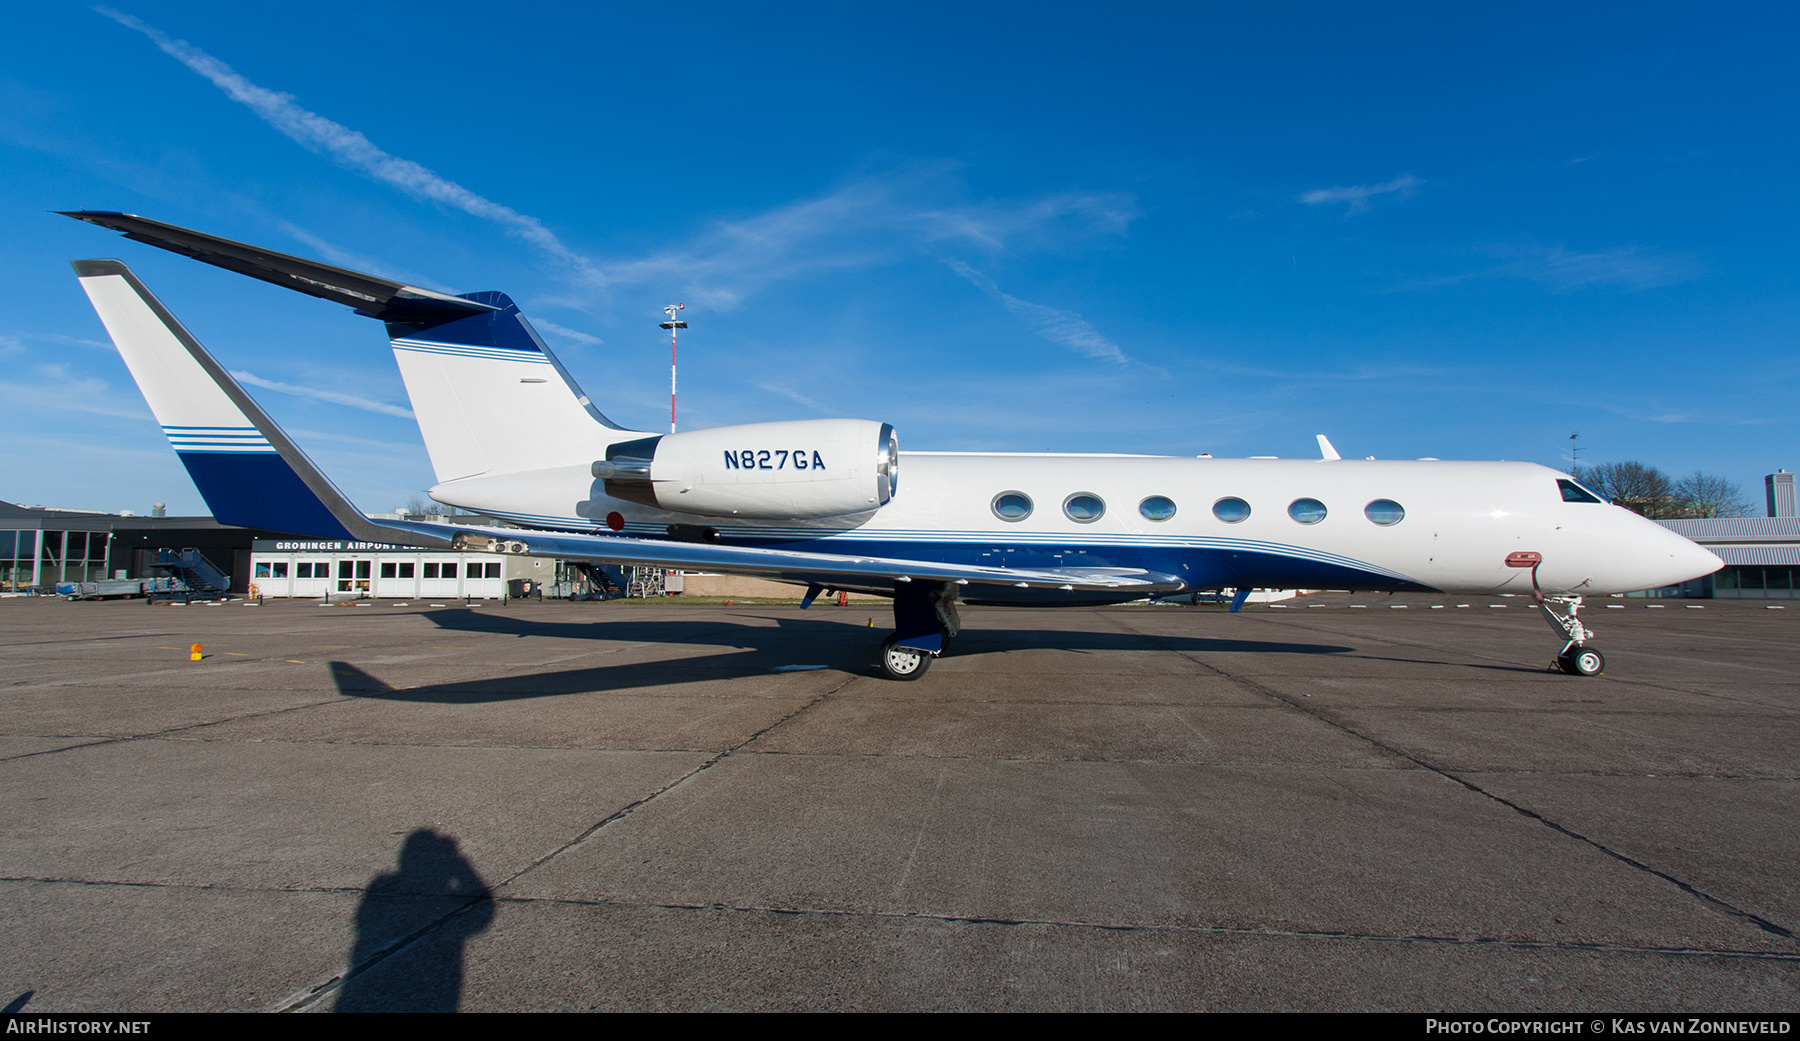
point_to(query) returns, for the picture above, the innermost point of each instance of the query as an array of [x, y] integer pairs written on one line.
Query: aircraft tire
[[1584, 661], [902, 663]]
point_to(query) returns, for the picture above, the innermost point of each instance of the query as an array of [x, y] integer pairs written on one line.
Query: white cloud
[[1626, 267], [15, 342], [350, 149], [356, 261], [1054, 324], [332, 396], [870, 222], [878, 220], [67, 391], [574, 335], [1357, 196], [799, 398]]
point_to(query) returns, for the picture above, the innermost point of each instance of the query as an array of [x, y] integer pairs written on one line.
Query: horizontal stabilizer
[[377, 297]]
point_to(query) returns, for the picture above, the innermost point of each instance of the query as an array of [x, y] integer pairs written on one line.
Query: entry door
[[354, 576]]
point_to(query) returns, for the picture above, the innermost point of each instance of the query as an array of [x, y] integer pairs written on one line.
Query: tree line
[[1648, 491]]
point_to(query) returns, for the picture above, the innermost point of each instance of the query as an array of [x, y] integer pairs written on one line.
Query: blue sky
[[1461, 231]]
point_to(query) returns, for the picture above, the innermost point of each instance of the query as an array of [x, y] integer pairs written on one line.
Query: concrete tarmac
[[1343, 803]]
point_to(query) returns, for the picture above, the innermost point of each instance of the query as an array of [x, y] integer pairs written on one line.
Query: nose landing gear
[[1576, 658], [1580, 661]]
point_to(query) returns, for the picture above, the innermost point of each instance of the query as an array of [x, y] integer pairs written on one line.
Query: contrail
[[352, 150]]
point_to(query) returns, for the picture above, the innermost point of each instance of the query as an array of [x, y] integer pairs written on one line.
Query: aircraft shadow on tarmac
[[757, 650]]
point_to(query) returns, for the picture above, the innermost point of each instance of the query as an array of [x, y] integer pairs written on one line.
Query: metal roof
[[1759, 556], [1712, 530]]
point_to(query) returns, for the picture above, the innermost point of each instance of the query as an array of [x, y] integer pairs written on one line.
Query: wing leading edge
[[229, 444]]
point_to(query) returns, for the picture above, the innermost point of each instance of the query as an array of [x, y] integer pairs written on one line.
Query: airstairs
[[202, 581]]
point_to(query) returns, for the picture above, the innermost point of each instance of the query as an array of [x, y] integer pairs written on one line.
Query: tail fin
[[246, 468], [488, 394], [491, 398]]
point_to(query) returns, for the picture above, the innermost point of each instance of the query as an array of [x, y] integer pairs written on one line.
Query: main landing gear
[[903, 663], [925, 618]]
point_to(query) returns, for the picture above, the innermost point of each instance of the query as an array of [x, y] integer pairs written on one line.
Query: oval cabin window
[[1084, 508], [1384, 512], [1231, 510], [1157, 508], [1012, 506], [1307, 511]]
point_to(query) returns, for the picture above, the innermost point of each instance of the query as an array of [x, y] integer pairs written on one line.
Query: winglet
[[1325, 449], [246, 468]]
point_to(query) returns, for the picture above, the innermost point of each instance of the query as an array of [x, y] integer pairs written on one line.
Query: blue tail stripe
[[500, 328], [259, 490]]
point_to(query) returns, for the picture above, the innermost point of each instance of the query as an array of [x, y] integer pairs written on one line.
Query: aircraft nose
[[1686, 559], [1696, 560]]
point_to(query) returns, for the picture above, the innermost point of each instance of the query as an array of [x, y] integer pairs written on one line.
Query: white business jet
[[823, 503]]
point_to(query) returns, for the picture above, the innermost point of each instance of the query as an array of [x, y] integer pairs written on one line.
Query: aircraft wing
[[827, 569], [253, 475]]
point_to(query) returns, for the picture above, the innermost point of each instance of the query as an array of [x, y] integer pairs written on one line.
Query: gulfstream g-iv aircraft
[[835, 505]]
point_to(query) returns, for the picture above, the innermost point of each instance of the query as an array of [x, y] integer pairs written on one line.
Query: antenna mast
[[672, 324]]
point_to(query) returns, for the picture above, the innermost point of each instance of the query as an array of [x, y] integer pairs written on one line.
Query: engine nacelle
[[798, 469]]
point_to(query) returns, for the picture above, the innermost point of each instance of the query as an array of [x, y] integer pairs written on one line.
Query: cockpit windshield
[[1572, 492]]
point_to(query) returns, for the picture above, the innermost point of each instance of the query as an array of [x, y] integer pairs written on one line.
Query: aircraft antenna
[[672, 324]]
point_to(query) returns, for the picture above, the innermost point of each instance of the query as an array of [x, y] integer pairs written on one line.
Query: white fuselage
[[1461, 521]]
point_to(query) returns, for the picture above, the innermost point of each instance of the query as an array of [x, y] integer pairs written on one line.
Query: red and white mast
[[672, 324]]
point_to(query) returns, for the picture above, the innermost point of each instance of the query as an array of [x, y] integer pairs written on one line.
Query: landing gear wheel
[[1582, 661], [902, 663]]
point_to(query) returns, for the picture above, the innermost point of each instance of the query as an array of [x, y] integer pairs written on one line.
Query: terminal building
[[322, 568], [43, 548]]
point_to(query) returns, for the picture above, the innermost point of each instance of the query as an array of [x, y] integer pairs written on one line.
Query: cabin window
[[1307, 511], [1231, 510], [1572, 492], [1084, 508], [1157, 508], [1012, 506], [1384, 512]]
